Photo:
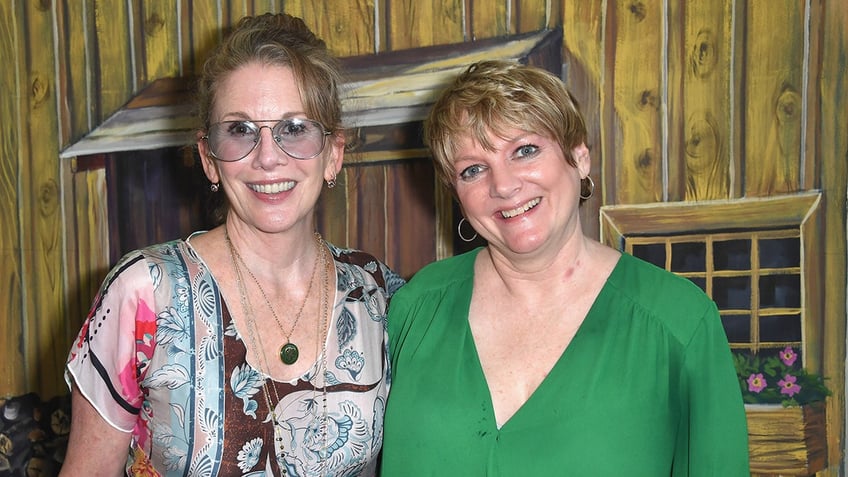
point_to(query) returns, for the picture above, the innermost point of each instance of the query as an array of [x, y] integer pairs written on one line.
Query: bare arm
[[95, 448]]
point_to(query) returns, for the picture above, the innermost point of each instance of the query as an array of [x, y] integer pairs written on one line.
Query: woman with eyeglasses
[[545, 352], [255, 348]]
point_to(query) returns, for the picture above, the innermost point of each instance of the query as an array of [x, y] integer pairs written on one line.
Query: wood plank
[[531, 15], [636, 94], [774, 105], [700, 119], [487, 19], [13, 378], [46, 340], [366, 205], [413, 23], [346, 26], [832, 88], [112, 68], [583, 40], [158, 43], [410, 215], [74, 86], [201, 32]]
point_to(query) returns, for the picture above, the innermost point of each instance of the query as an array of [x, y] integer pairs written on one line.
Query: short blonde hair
[[493, 95]]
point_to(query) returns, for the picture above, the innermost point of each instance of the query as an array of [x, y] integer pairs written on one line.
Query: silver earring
[[590, 187], [459, 231], [214, 187], [331, 183]]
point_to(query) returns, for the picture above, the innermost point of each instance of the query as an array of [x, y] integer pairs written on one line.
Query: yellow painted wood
[[346, 26], [159, 41], [773, 93], [42, 228], [12, 49], [700, 121], [531, 15], [488, 19], [637, 95], [414, 23], [583, 30], [787, 440], [201, 32], [832, 89], [112, 70], [74, 84]]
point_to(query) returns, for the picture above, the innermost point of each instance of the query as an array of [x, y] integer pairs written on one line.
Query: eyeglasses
[[231, 141]]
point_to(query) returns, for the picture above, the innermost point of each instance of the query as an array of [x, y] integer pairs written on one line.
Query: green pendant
[[289, 353]]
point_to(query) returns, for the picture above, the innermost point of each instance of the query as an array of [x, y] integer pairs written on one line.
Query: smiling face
[[268, 189], [520, 194]]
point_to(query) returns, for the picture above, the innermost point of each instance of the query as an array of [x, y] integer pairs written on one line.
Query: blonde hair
[[494, 95]]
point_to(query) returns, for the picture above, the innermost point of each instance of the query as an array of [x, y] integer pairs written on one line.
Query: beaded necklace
[[256, 339]]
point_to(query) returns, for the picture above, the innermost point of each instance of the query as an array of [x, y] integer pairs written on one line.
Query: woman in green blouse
[[546, 352]]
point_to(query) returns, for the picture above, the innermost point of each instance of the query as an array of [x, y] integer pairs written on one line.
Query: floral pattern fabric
[[159, 356]]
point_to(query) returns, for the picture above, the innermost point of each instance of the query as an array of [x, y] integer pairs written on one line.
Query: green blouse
[[647, 386]]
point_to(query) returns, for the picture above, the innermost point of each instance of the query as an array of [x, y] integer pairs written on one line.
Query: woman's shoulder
[[664, 295]]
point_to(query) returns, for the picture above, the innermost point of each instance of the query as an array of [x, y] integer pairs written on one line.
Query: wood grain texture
[[42, 228], [833, 153], [346, 26], [75, 41], [413, 23], [583, 27], [636, 94], [700, 119], [410, 216], [13, 378], [158, 41], [487, 19], [201, 27], [112, 68], [787, 440], [773, 93]]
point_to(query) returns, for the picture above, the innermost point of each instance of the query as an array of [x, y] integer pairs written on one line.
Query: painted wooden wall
[[686, 100]]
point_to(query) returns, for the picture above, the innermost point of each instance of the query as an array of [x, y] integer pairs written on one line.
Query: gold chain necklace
[[321, 337], [289, 352]]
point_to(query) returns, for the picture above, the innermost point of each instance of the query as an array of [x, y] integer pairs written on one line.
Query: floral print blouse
[[160, 358]]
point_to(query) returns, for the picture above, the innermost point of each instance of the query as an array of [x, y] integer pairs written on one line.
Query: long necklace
[[289, 352], [321, 337]]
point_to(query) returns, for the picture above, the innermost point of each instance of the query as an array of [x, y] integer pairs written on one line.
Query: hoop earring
[[590, 187], [214, 187], [459, 231]]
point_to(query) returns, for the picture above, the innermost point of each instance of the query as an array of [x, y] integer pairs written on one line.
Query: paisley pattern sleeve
[[109, 356]]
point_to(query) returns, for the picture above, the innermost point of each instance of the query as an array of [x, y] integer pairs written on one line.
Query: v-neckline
[[554, 371]]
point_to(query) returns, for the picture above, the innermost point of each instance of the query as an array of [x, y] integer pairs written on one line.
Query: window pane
[[732, 292], [737, 328], [688, 257], [780, 253], [780, 291], [780, 328], [732, 255], [653, 253]]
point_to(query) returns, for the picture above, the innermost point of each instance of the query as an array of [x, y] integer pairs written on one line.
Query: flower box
[[787, 440]]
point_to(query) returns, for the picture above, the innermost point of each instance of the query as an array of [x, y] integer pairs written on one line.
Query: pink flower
[[788, 386], [788, 356], [756, 383]]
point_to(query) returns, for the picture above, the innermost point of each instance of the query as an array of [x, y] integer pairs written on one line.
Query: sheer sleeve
[[108, 358]]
